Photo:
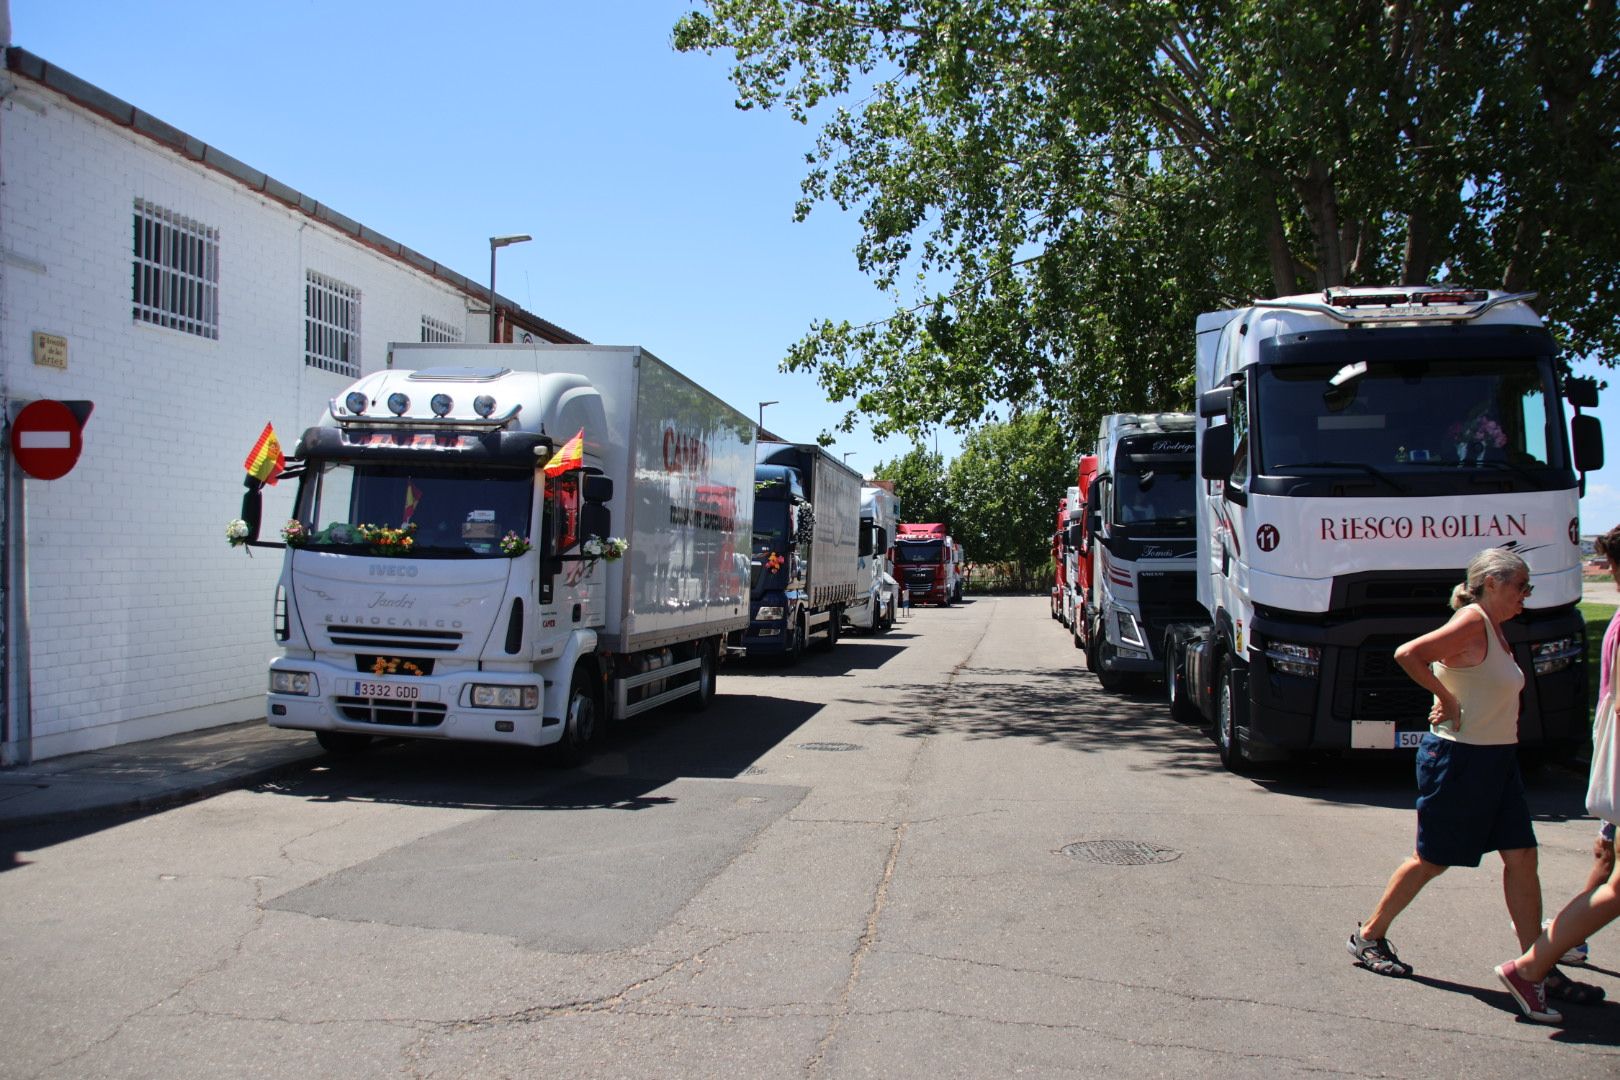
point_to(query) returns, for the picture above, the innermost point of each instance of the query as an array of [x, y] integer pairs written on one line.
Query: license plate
[[1381, 735], [391, 691]]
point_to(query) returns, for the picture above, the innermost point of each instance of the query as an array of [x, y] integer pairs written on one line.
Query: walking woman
[[1531, 978], [1470, 794]]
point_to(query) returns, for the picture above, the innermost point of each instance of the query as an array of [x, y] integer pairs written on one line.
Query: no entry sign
[[47, 436]]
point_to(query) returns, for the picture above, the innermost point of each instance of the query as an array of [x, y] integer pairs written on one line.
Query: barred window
[[331, 325], [175, 272], [439, 330]]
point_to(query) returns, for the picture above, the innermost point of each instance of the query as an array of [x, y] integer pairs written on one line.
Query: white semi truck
[[1357, 448], [876, 592], [1140, 543], [451, 570]]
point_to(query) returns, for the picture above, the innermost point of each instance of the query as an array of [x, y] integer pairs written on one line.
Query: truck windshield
[[1382, 417], [1159, 494], [446, 511], [770, 527], [908, 551]]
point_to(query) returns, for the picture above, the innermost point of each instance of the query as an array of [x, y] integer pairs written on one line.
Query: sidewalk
[[151, 774]]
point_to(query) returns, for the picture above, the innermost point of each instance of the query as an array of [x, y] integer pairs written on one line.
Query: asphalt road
[[940, 853]]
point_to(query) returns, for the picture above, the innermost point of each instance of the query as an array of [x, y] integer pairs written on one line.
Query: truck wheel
[[342, 743], [706, 675], [795, 647], [1226, 734], [1182, 710], [834, 628], [1111, 681], [581, 724], [1074, 632]]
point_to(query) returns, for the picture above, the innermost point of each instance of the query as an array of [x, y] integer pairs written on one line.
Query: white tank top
[[1488, 692]]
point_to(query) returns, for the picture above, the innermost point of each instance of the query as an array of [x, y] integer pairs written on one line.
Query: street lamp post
[[496, 243], [762, 410], [846, 456]]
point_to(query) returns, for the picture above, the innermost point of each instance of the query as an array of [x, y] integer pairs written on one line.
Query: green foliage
[[919, 485], [1005, 487], [1063, 186]]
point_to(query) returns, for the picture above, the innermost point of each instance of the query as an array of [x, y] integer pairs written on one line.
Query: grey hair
[[1499, 563]]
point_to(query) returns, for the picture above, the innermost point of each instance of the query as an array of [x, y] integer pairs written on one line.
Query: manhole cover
[[1120, 852], [828, 746]]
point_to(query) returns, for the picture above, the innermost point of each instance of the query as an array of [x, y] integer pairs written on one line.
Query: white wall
[[143, 621]]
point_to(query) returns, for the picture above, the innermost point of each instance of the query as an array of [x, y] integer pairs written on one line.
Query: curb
[[143, 804]]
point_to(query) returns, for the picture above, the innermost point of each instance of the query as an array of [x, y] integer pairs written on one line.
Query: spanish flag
[[264, 462], [571, 456], [413, 495]]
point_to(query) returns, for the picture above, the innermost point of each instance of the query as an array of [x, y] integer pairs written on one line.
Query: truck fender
[[559, 672]]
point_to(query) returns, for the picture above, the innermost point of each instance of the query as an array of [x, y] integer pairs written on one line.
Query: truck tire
[[835, 624], [1111, 681], [1182, 709], [582, 724], [795, 646], [1074, 633], [342, 743], [706, 676], [1226, 734]]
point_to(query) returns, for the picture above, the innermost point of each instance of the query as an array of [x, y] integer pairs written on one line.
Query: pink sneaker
[[1531, 996]]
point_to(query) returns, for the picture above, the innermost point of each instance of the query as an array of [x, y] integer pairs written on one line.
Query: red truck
[[926, 557], [1078, 573]]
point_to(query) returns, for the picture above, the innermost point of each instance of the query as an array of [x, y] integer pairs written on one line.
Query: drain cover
[[1120, 852], [828, 746]]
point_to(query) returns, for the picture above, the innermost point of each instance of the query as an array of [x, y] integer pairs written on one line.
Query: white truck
[[450, 571], [1140, 543], [806, 529], [1357, 448], [876, 592]]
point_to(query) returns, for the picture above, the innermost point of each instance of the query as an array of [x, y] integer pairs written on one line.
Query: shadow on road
[[1584, 1025], [1067, 708], [864, 654], [635, 759]]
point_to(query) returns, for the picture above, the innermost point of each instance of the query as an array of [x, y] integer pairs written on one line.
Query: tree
[[1069, 183], [1005, 487], [919, 485]]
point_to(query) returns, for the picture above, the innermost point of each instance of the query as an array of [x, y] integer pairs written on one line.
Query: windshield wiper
[[1370, 470]]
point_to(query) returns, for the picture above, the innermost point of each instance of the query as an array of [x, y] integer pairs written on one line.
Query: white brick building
[[198, 299]]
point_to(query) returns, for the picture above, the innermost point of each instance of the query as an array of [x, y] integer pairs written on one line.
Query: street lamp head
[[504, 241]]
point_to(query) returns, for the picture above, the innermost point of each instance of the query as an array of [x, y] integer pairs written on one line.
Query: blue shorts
[[1606, 832], [1470, 801]]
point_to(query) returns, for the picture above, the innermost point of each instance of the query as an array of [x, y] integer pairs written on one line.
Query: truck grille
[[394, 639], [420, 714], [1372, 686]]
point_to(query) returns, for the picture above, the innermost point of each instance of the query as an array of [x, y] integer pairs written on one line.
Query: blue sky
[[662, 215]]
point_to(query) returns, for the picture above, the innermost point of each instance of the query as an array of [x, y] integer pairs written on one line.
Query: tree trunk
[[1322, 210]]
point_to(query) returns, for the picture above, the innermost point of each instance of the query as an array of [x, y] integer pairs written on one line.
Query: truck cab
[[1141, 544], [1356, 449]]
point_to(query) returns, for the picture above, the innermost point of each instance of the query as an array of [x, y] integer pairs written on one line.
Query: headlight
[[505, 697], [301, 683], [1292, 659], [1556, 655], [767, 614], [1130, 632]]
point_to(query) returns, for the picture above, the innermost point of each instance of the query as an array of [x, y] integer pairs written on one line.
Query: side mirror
[[597, 489], [1581, 392], [1074, 535], [595, 520], [1094, 521], [253, 506], [1213, 403], [1586, 432], [1215, 452]]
